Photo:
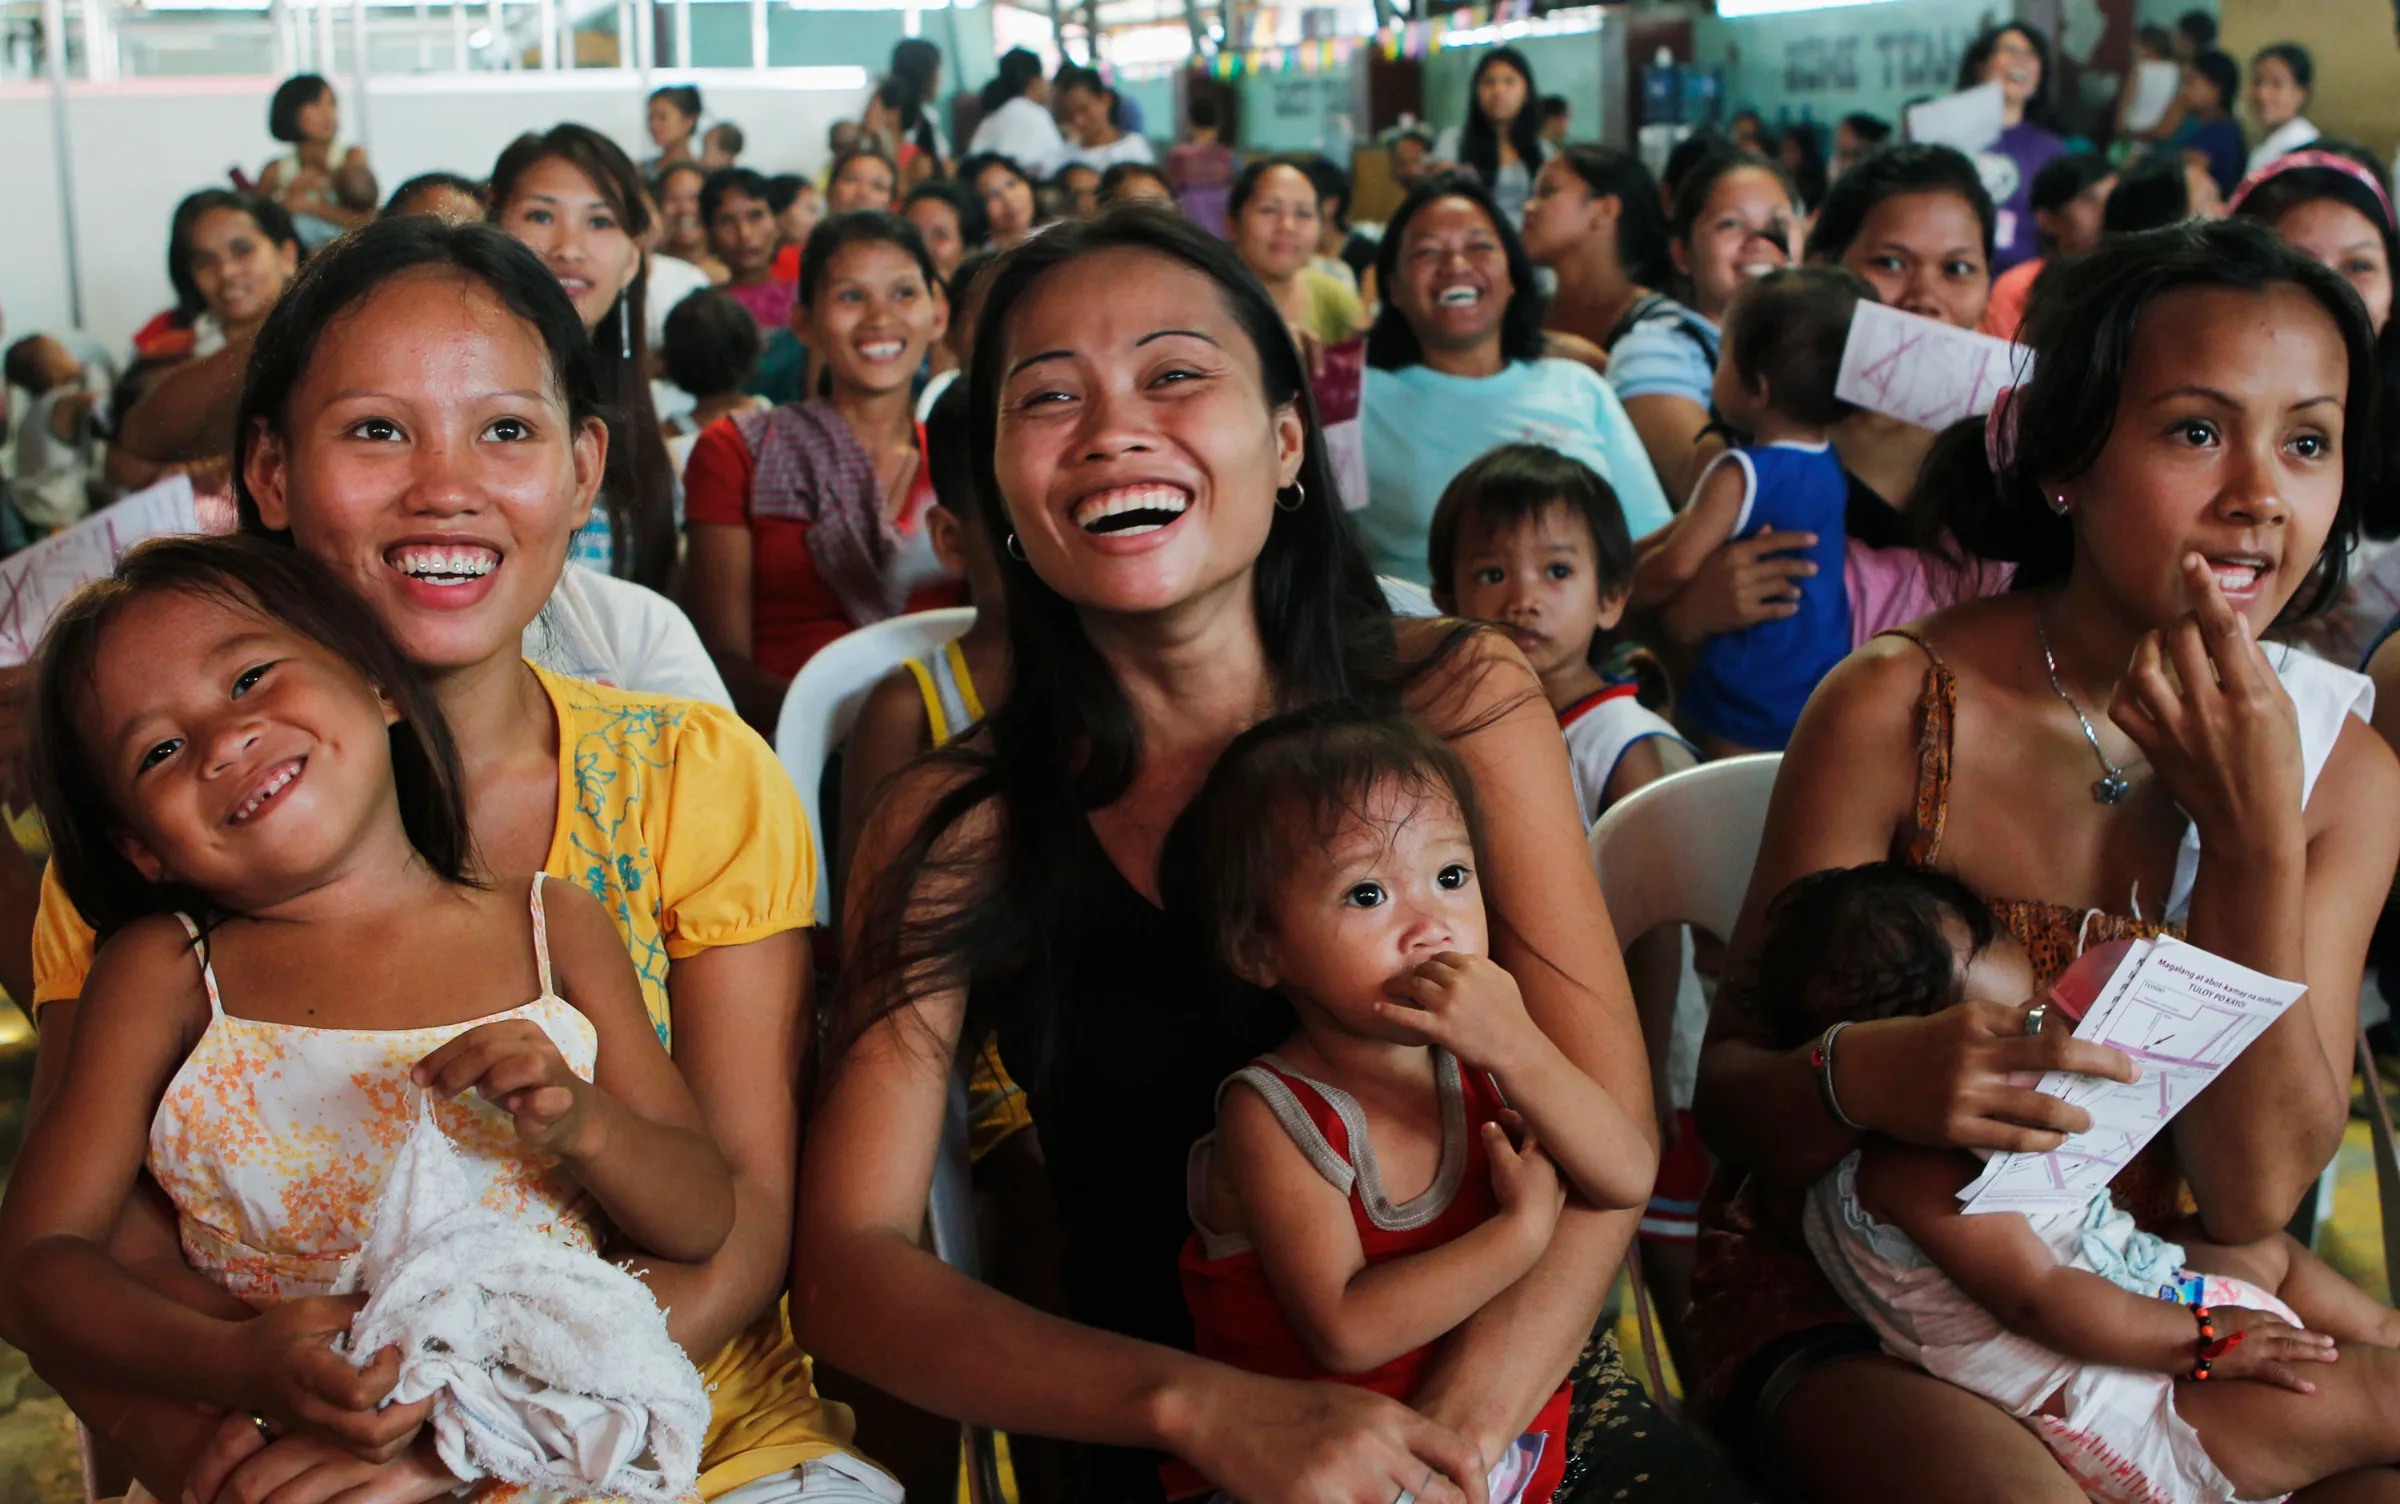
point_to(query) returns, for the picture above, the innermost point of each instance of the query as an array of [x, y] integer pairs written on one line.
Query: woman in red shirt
[[807, 520]]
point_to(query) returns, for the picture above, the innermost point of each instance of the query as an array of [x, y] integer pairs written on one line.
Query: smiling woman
[[808, 520], [2184, 473], [1455, 367], [422, 418], [1130, 367], [572, 195]]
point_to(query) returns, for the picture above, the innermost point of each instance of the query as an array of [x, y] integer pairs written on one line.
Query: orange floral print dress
[[273, 1141]]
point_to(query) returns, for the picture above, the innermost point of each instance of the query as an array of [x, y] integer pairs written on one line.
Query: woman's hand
[[2263, 1346], [517, 1067], [1745, 582], [240, 1466], [296, 1380], [1277, 1441], [1942, 1081], [2207, 709]]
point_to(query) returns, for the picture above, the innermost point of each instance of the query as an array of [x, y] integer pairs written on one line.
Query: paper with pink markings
[[36, 581], [1923, 371], [2184, 1015]]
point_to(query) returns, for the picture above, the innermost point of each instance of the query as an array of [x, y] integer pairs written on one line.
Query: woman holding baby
[[2183, 471]]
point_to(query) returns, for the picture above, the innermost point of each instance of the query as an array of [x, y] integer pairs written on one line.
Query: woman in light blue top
[[1455, 367]]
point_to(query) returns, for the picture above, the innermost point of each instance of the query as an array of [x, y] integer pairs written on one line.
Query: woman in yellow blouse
[[421, 415]]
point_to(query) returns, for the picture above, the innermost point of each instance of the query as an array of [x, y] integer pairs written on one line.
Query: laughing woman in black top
[[1130, 366]]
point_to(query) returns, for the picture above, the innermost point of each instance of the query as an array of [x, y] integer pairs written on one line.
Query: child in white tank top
[[244, 781]]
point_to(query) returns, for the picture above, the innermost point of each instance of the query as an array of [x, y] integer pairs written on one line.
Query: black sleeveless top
[[1143, 1037]]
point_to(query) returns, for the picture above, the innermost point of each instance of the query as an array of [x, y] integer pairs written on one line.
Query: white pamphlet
[[1922, 370], [2183, 1015], [35, 582], [1970, 121]]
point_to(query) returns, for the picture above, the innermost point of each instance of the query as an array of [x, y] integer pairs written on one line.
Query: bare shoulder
[[1466, 677], [149, 967], [576, 921], [892, 721]]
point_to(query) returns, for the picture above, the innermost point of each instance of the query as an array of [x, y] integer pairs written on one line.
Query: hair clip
[[2000, 431]]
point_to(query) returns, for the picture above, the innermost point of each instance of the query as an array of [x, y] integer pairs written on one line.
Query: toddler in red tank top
[[1403, 1157]]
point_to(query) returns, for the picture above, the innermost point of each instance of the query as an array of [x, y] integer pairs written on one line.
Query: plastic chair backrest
[[1680, 850], [824, 700], [1407, 597]]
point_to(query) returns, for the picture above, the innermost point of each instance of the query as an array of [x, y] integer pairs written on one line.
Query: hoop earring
[[1299, 495], [1015, 549]]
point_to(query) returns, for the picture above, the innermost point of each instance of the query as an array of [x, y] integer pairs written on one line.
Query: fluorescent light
[[1734, 10], [1557, 24]]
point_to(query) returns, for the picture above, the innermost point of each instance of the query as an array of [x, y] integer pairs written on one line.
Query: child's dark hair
[[2200, 26], [1872, 131], [712, 344], [726, 137], [2065, 178], [1516, 483], [22, 366], [963, 277], [1286, 785], [2157, 39], [949, 456], [1785, 333], [282, 585], [2151, 194], [1860, 943], [2081, 326]]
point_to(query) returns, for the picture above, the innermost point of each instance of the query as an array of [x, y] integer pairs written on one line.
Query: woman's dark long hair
[[288, 588], [1065, 742], [353, 268], [1392, 343], [1479, 143], [2081, 327], [1610, 172], [270, 217], [1972, 62], [2267, 202], [639, 487]]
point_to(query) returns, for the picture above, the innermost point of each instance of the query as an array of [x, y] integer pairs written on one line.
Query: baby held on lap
[[2170, 1371]]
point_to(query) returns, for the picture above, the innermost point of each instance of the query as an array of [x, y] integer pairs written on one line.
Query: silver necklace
[[2112, 785]]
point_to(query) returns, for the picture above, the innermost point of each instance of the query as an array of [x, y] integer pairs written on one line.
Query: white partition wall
[[33, 245], [137, 146]]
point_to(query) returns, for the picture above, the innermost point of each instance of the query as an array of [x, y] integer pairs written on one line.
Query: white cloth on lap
[[552, 1368]]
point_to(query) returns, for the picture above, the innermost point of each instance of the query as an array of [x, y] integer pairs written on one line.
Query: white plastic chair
[[1680, 850], [1407, 597], [818, 712], [824, 700]]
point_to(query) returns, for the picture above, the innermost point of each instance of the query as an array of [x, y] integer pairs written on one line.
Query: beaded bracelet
[[2208, 1348]]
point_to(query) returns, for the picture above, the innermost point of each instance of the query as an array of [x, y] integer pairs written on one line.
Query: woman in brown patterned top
[[2107, 750]]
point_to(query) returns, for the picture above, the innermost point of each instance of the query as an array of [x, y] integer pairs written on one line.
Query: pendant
[[2111, 789]]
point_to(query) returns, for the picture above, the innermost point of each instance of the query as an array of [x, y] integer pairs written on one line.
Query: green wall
[[1567, 66]]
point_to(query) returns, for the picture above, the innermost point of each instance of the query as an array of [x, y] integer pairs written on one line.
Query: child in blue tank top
[[1775, 380]]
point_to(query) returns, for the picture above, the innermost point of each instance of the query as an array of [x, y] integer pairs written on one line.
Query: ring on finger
[[2034, 1018], [266, 1433]]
